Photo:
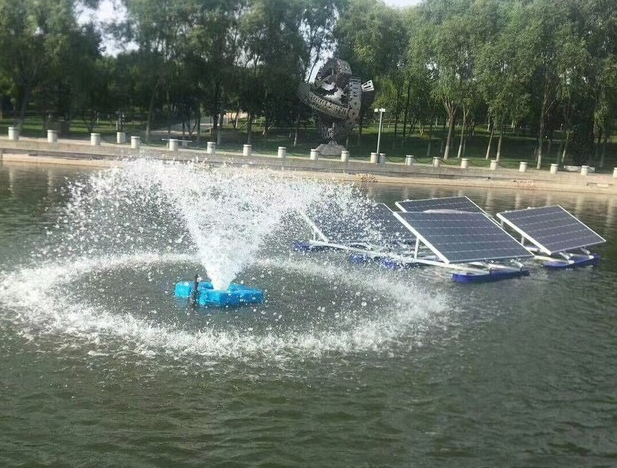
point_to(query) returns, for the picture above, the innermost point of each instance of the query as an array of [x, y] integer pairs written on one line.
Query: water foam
[[40, 307], [151, 214]]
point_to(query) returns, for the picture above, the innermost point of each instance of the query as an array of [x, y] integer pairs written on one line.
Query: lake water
[[344, 366]]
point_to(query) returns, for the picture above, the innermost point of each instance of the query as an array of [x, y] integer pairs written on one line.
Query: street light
[[381, 111]]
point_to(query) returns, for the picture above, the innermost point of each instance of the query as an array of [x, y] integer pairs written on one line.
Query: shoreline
[[78, 153]]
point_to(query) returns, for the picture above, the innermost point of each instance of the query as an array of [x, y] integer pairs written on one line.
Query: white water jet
[[226, 214]]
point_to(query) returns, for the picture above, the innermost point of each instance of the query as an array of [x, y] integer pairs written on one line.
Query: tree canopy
[[542, 67]]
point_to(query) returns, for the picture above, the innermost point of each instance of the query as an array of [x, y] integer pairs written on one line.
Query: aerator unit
[[202, 293]]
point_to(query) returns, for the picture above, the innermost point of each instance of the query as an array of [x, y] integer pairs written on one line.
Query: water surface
[[344, 365]]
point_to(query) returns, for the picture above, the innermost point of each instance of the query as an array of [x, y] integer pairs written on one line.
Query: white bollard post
[[121, 138], [344, 156], [409, 160], [464, 163], [14, 133], [247, 150], [314, 155], [173, 144], [282, 152], [374, 158], [584, 170], [554, 168], [522, 167], [436, 161], [615, 172], [493, 165], [211, 148], [95, 139], [52, 136], [135, 142]]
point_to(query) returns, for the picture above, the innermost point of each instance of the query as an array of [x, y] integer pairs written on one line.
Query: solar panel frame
[[461, 204], [552, 229], [463, 237]]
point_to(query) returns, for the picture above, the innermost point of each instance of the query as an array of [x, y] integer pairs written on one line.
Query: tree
[[453, 60], [37, 40], [504, 71], [273, 47], [372, 38], [211, 53], [156, 26]]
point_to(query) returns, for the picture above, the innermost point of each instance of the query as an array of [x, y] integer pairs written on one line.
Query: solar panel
[[334, 222], [463, 237], [440, 204], [366, 223], [387, 226], [551, 228]]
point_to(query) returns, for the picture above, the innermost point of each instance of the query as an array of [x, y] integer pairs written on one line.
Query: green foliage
[[540, 71]]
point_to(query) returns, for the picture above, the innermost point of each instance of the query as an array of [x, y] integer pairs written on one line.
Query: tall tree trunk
[[399, 92], [564, 153], [406, 112], [430, 138], [596, 152], [215, 117], [540, 141], [198, 118], [451, 119], [297, 129], [462, 139], [219, 133], [23, 107], [490, 140], [603, 153], [541, 130], [500, 141], [150, 114]]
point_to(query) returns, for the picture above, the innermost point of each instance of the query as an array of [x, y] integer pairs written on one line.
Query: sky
[[106, 8], [106, 11], [402, 3]]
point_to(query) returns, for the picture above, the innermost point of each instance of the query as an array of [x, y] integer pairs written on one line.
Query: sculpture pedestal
[[330, 149]]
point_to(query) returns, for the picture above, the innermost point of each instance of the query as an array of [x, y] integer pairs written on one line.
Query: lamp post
[[381, 110]]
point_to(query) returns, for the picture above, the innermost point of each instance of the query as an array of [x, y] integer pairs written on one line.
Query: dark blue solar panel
[[551, 228], [363, 222], [440, 204], [463, 237], [383, 222], [339, 222]]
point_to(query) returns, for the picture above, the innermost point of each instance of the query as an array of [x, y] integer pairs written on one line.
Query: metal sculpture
[[338, 98]]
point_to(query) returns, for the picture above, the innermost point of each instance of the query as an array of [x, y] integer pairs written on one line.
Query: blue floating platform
[[573, 262], [301, 246], [396, 264], [236, 295], [361, 258], [488, 276]]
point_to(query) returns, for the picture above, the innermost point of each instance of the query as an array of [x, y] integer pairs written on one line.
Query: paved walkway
[[83, 152]]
